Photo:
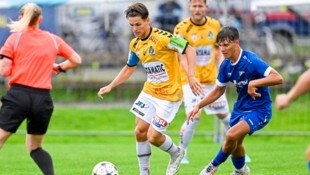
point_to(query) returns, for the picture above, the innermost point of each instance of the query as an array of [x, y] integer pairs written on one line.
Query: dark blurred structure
[[168, 15]]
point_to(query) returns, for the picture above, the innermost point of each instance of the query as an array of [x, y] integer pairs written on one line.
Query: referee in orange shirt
[[28, 58]]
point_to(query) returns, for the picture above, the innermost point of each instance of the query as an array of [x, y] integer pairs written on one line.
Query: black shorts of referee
[[23, 102]]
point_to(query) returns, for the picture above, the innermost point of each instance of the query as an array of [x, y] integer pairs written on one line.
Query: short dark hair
[[137, 9], [205, 1], [227, 33]]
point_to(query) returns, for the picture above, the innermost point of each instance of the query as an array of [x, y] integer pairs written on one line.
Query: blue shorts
[[255, 119]]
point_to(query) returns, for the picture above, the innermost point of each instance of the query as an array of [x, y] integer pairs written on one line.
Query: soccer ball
[[104, 168]]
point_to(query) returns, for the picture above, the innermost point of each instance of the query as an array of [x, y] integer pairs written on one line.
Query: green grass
[[107, 134]]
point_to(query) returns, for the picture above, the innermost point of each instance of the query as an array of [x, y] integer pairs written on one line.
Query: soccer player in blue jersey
[[252, 111]]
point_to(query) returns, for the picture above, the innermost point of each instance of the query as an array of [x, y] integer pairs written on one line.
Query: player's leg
[[41, 157], [11, 115], [143, 109], [4, 135], [38, 119], [187, 130], [234, 134], [250, 122], [165, 113], [143, 147], [238, 160]]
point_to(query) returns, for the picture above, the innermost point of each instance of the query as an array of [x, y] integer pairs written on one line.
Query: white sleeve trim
[[267, 72], [220, 84]]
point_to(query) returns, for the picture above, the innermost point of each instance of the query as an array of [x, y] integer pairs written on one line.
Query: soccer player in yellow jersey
[[201, 31], [157, 104]]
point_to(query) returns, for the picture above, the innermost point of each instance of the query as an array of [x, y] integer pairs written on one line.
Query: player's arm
[[123, 75], [213, 95], [5, 66], [301, 86], [271, 78], [73, 61], [190, 53]]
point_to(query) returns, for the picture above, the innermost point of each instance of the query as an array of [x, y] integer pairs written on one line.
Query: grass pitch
[[81, 137]]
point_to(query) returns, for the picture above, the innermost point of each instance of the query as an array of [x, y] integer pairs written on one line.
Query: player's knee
[[231, 138], [140, 133], [156, 138]]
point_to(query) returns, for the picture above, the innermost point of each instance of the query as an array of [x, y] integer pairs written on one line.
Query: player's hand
[[252, 92], [193, 114], [282, 101], [103, 91], [195, 86], [55, 69]]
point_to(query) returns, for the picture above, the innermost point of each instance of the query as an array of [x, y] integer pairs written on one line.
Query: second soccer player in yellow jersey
[[201, 31]]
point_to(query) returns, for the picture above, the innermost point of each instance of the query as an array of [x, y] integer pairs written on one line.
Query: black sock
[[43, 160]]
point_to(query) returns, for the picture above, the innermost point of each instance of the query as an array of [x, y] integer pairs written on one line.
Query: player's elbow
[[76, 59], [280, 79]]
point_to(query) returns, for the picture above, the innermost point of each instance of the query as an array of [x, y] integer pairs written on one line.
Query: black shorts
[[23, 102]]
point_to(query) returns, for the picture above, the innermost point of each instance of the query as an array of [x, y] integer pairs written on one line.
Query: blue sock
[[220, 158], [238, 162], [309, 166]]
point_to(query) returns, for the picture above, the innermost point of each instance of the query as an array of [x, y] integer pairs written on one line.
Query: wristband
[[60, 69]]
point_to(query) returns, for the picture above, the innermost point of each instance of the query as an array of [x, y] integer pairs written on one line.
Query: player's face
[[198, 10], [230, 49], [140, 27]]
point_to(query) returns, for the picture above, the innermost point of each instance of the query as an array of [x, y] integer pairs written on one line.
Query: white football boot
[[175, 161], [245, 171], [209, 170]]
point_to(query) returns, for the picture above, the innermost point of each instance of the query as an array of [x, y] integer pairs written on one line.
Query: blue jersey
[[248, 67]]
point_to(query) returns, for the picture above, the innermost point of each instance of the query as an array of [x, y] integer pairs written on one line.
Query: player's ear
[[40, 19], [147, 20]]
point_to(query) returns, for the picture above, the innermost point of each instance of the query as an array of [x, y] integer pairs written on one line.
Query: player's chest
[[201, 37]]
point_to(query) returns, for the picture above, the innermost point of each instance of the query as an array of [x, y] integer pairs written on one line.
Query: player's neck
[[199, 22]]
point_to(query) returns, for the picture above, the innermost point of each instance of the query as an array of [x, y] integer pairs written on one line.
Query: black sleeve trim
[[185, 48], [131, 65], [3, 56]]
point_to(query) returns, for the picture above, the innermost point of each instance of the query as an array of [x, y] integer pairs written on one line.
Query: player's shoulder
[[184, 22], [133, 43], [213, 21], [182, 25], [160, 33], [250, 55]]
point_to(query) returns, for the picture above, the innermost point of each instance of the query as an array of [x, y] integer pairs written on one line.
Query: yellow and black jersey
[[203, 39], [158, 55]]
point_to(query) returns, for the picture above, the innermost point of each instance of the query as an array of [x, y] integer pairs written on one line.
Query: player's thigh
[[143, 108], [164, 115], [41, 113], [12, 113], [255, 119]]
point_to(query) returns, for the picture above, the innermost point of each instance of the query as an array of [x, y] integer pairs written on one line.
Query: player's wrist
[[60, 69]]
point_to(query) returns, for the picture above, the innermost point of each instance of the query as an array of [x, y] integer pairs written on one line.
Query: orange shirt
[[33, 53]]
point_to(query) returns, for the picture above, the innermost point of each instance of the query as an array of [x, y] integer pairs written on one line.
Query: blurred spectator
[[168, 15]]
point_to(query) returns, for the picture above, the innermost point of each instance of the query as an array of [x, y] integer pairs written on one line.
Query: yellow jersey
[[203, 39], [158, 55]]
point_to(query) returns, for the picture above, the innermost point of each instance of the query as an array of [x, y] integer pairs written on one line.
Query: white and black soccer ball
[[105, 168]]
